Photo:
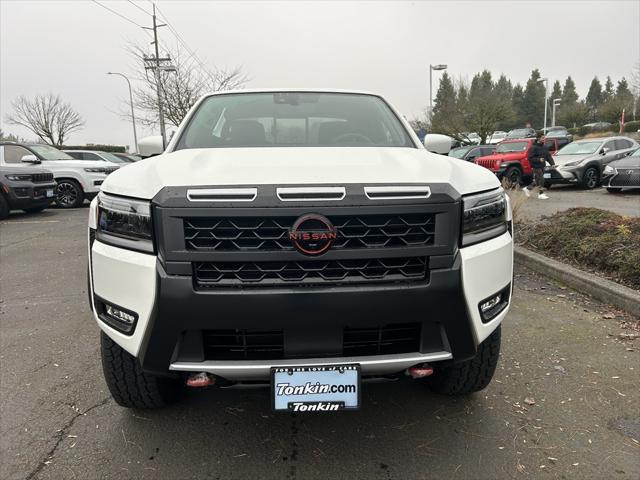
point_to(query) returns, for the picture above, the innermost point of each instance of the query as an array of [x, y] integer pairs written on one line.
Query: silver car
[[582, 162]]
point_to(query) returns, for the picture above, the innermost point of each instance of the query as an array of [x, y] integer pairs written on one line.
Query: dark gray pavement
[[565, 401]]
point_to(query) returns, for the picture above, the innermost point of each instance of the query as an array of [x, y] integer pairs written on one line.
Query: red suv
[[510, 159]]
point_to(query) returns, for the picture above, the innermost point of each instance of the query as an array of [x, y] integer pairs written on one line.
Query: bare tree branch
[[179, 89], [47, 116]]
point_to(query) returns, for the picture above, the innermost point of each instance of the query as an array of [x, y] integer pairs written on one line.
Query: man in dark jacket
[[538, 157]]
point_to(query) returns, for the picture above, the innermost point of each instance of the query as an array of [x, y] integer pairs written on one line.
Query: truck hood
[[295, 166]]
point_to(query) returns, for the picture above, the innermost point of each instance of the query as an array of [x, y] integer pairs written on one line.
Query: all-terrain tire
[[471, 375], [4, 208], [129, 385], [513, 176]]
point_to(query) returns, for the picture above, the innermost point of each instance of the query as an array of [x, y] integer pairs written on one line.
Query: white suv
[[304, 240], [97, 155], [76, 180]]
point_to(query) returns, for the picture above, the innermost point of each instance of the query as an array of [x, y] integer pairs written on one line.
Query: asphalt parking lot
[[565, 401], [562, 197]]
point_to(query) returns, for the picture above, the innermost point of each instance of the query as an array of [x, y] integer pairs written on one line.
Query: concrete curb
[[601, 289]]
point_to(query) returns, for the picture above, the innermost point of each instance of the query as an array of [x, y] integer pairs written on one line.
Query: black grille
[[309, 273], [240, 344], [42, 177], [271, 234], [389, 339], [243, 344], [626, 179]]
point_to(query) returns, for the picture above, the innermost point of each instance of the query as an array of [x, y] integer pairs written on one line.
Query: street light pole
[[133, 116], [556, 102], [431, 69], [545, 80]]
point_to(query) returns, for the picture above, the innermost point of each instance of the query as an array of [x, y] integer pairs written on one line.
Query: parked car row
[[32, 176]]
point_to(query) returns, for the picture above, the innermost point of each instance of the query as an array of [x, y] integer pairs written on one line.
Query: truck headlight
[[96, 170], [484, 216], [125, 222]]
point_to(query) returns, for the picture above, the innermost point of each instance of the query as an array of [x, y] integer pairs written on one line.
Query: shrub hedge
[[591, 239]]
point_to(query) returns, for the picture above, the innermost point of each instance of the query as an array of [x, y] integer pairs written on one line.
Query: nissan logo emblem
[[312, 234]]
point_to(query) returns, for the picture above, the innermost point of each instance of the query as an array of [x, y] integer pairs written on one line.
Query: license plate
[[327, 388], [547, 175], [49, 193]]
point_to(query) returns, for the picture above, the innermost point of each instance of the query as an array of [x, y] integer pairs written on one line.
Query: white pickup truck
[[304, 240]]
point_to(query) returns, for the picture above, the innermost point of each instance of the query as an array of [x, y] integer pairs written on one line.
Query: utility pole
[[154, 63]]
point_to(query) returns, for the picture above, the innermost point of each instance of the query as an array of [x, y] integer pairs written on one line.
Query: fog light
[[496, 303], [116, 317], [120, 315], [488, 305]]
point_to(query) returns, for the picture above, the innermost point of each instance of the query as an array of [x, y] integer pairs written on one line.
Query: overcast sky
[[66, 47]]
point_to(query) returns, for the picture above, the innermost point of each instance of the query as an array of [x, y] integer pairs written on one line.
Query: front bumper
[[562, 175], [172, 314], [24, 195]]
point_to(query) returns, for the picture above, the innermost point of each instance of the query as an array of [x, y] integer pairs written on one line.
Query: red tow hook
[[419, 371], [199, 380]]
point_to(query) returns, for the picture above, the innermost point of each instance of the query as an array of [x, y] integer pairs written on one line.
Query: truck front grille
[[272, 233], [308, 273], [486, 163], [244, 344]]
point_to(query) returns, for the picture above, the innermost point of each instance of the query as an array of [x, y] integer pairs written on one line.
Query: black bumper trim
[[304, 314]]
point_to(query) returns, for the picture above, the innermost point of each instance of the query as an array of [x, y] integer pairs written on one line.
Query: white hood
[[296, 166]]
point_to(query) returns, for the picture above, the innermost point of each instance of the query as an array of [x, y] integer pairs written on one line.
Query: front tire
[[69, 194], [129, 385], [590, 178], [472, 375], [513, 176]]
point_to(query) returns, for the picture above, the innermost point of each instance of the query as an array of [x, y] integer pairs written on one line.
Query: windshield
[[557, 133], [512, 147], [110, 157], [50, 153], [636, 153], [286, 119], [580, 148], [499, 135], [459, 152]]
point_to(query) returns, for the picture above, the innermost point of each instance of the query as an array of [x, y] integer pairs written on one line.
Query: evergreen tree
[[517, 105], [557, 91], [594, 96], [533, 101], [445, 100], [608, 90], [569, 94]]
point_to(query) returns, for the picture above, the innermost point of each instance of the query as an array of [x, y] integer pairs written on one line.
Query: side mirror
[[604, 150], [437, 143], [30, 159], [150, 146]]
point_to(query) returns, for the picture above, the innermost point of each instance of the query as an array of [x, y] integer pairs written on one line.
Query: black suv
[[23, 188]]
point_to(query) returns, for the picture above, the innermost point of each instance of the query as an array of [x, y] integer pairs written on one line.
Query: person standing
[[538, 157]]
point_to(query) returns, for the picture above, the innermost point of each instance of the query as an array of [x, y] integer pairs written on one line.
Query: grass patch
[[589, 238]]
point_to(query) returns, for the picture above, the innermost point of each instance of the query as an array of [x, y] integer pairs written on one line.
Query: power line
[[116, 13], [191, 52], [138, 7]]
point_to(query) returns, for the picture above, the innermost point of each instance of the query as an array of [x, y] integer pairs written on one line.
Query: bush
[[632, 126], [590, 238], [100, 148]]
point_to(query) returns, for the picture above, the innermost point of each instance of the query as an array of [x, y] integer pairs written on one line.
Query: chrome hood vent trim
[[398, 192], [310, 194], [222, 194]]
